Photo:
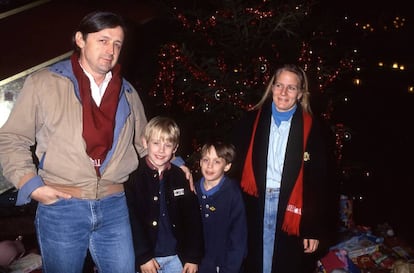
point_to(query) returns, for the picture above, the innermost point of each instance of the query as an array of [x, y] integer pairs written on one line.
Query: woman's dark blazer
[[288, 250]]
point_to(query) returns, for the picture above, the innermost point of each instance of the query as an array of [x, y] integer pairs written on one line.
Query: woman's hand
[[190, 268], [310, 245], [151, 266], [189, 176]]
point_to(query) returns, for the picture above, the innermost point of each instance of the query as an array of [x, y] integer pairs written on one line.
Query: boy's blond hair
[[162, 128]]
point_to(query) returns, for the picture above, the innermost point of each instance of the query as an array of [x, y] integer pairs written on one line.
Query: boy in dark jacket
[[224, 219], [165, 215]]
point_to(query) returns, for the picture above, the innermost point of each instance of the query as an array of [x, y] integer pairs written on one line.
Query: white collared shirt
[[98, 91]]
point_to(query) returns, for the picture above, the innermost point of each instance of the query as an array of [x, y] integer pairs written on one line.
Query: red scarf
[[248, 181], [98, 122], [291, 221], [293, 213]]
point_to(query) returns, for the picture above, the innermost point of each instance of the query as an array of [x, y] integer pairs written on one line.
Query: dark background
[[377, 159]]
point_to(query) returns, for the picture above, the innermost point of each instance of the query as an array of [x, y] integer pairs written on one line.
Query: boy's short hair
[[163, 128], [224, 150]]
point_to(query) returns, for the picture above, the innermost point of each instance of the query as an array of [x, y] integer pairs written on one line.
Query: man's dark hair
[[96, 21]]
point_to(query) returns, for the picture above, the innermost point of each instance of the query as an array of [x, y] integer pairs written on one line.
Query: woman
[[283, 176]]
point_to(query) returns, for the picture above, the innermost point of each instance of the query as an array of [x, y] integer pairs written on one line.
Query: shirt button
[[154, 223], [155, 198], [206, 215], [207, 206]]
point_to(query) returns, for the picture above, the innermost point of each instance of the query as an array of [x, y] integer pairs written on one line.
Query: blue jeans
[[170, 264], [68, 228], [269, 227]]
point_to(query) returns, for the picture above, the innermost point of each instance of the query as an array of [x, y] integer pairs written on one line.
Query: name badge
[[178, 192]]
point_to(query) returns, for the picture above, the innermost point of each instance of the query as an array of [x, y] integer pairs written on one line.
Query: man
[[86, 122]]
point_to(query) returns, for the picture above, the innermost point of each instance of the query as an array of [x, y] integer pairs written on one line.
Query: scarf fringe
[[294, 222]]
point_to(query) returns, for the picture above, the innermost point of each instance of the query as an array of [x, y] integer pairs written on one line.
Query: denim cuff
[[178, 161], [23, 195]]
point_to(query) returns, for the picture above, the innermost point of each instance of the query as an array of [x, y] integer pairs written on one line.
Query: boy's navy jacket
[[225, 228], [142, 192]]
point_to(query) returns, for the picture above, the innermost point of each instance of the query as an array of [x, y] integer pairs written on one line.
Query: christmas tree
[[213, 59], [216, 57], [223, 53]]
